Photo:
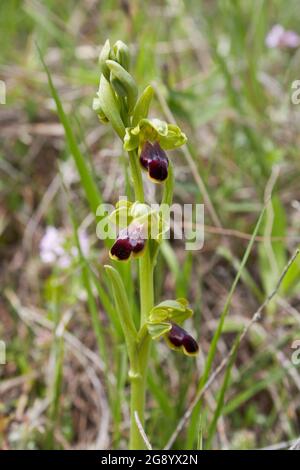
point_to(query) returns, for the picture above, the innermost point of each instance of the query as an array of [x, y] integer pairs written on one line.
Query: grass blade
[[221, 397], [88, 183], [214, 343]]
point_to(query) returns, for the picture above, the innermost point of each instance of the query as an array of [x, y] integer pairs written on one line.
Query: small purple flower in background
[[56, 247], [279, 37], [51, 245], [291, 39]]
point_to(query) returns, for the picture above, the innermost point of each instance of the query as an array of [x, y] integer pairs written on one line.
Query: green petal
[[161, 127], [158, 329], [131, 141], [174, 138]]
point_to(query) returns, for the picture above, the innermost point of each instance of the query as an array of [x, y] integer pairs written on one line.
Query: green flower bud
[[103, 57], [126, 212], [118, 86], [126, 83], [109, 106], [97, 107], [121, 54], [164, 321]]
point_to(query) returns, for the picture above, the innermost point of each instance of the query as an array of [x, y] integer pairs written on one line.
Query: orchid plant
[[141, 229]]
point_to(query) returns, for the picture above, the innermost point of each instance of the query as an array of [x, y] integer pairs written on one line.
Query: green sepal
[[169, 136], [176, 311], [125, 81], [174, 139]]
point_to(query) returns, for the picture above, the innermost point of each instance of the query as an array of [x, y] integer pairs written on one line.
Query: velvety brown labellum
[[179, 338], [176, 335], [121, 249], [130, 240], [190, 345], [154, 159], [158, 170], [138, 246]]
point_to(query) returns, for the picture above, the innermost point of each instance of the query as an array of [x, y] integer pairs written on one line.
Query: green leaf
[[109, 106], [142, 106], [221, 396], [106, 302], [273, 254], [93, 308], [123, 311], [291, 281], [214, 343]]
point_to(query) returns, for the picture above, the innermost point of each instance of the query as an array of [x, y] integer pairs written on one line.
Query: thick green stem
[[138, 381], [136, 176], [138, 384], [138, 395], [146, 285]]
